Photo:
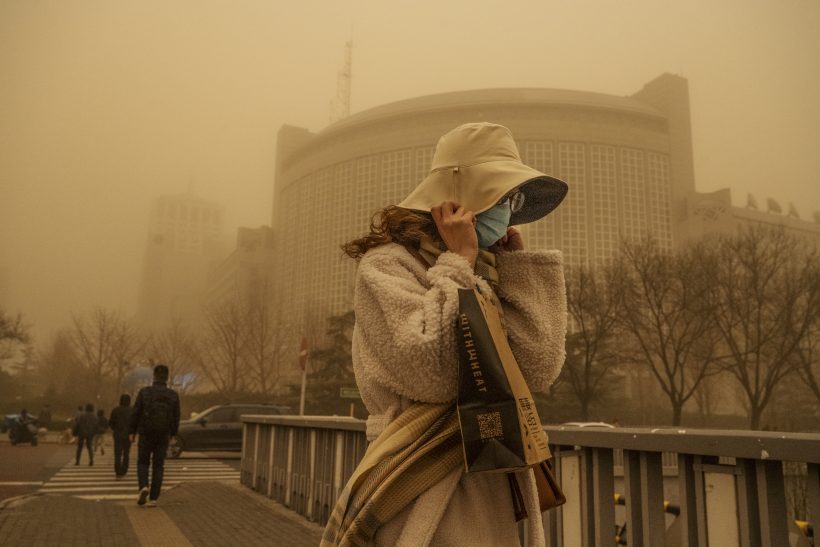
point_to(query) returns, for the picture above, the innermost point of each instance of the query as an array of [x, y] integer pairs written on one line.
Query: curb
[[11, 502]]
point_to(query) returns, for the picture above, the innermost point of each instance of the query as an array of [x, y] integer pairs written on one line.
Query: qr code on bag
[[489, 425]]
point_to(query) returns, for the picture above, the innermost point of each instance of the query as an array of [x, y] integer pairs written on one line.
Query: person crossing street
[[156, 420], [120, 422]]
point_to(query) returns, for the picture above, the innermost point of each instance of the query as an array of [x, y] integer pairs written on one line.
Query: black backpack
[[158, 410]]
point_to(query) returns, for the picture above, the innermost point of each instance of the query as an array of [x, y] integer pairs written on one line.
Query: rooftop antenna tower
[[340, 106]]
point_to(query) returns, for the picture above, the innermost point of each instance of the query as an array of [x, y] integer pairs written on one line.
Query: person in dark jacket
[[156, 419], [102, 429], [44, 419], [120, 422], [84, 430]]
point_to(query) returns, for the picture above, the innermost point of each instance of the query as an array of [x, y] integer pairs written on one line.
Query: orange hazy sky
[[105, 105]]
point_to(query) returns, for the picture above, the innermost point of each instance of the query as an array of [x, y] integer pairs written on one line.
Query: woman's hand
[[456, 226], [512, 241]]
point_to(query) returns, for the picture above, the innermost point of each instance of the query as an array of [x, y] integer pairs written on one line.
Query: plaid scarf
[[484, 264], [415, 451]]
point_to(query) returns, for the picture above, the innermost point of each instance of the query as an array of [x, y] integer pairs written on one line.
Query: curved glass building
[[627, 160]]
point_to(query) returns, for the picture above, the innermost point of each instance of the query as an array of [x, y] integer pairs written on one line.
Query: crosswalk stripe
[[112, 497], [110, 472], [61, 484], [98, 481], [112, 477]]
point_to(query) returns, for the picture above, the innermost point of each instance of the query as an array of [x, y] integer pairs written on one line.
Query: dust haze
[[105, 106]]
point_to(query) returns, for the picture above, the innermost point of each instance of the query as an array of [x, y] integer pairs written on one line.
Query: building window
[[424, 161], [540, 235], [658, 198], [573, 210], [633, 191], [604, 188], [396, 182], [368, 199]]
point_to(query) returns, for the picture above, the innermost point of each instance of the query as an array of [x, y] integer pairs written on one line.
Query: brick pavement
[[207, 514], [60, 520], [233, 515]]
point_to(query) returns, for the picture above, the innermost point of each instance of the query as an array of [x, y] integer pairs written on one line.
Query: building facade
[[184, 243], [247, 272], [710, 213]]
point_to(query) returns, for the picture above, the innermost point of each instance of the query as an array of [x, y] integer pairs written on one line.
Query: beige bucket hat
[[478, 164]]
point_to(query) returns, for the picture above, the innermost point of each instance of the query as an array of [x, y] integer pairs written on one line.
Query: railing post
[[311, 473], [747, 503], [289, 470], [651, 493], [603, 491], [337, 468], [771, 502], [272, 432], [243, 465], [553, 523], [700, 497], [813, 496], [688, 501], [255, 479], [632, 491], [588, 499], [572, 532]]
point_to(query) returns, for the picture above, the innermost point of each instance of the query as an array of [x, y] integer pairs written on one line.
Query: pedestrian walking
[[77, 415], [156, 420], [44, 419], [454, 231], [99, 435], [84, 429], [120, 423]]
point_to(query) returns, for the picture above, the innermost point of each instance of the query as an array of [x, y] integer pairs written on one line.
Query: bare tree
[[808, 357], [767, 290], [60, 371], [93, 336], [127, 344], [224, 346], [808, 350], [593, 300], [264, 344], [665, 313], [177, 346], [14, 336]]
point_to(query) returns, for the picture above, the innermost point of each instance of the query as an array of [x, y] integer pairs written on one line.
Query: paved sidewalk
[[199, 514]]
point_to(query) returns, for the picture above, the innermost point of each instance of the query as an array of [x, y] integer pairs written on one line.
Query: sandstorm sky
[[106, 104]]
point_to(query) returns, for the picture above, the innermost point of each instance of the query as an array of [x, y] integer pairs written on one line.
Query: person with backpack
[[102, 429], [156, 419], [120, 422]]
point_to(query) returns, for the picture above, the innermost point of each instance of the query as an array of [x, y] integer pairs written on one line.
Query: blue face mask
[[491, 225]]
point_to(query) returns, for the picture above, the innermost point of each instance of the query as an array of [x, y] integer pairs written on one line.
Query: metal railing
[[729, 487]]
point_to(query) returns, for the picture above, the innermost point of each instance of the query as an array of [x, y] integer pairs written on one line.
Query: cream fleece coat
[[404, 349]]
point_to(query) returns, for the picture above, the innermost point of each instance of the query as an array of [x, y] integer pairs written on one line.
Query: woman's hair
[[393, 225]]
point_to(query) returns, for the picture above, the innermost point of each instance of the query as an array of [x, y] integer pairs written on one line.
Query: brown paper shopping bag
[[500, 427]]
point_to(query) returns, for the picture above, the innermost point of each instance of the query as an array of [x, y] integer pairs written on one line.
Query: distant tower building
[[184, 243], [248, 271]]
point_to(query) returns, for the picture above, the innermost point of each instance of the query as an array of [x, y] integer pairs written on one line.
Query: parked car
[[218, 428]]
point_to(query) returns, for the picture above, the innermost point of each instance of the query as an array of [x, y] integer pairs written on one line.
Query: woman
[[453, 231]]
